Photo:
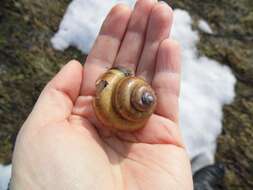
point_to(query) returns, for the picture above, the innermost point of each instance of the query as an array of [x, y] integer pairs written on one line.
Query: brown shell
[[118, 102]]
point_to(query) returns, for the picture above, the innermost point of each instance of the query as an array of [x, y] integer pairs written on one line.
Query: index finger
[[106, 47]]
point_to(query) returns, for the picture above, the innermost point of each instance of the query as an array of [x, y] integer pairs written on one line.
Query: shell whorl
[[130, 99]]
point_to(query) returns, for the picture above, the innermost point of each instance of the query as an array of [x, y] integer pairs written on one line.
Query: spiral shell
[[122, 101]]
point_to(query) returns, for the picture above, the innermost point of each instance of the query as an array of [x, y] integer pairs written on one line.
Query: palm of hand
[[63, 146]]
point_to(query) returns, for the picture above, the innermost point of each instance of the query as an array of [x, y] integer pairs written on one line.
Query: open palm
[[62, 145]]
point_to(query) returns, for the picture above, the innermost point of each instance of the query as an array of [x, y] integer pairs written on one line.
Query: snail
[[123, 101]]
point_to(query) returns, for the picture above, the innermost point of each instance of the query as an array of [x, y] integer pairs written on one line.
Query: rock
[[209, 178]]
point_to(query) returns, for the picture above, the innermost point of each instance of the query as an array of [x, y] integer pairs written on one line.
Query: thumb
[[56, 101]]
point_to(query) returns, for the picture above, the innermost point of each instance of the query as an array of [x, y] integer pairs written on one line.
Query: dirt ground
[[27, 62]]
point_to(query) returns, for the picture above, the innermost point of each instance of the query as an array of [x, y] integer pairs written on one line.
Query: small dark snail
[[122, 101]]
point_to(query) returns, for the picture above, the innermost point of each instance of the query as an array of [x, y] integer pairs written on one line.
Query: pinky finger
[[166, 80]]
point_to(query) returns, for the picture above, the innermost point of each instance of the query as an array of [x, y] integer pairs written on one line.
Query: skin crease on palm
[[62, 146]]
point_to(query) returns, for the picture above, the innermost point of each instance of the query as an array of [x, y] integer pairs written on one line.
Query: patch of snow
[[206, 87], [5, 175], [206, 84], [81, 23], [204, 27]]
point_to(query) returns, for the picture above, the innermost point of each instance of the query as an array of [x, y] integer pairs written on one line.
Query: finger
[[68, 80], [132, 44], [106, 47], [56, 100], [166, 81], [158, 29]]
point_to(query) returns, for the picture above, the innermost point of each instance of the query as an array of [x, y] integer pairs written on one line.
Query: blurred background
[[28, 61]]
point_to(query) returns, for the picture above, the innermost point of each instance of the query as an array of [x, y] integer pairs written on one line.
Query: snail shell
[[122, 101]]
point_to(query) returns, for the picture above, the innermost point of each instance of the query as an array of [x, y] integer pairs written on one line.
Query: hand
[[62, 146]]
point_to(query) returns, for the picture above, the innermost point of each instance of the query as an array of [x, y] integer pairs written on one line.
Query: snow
[[81, 23], [206, 87], [204, 27], [5, 173], [206, 84]]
